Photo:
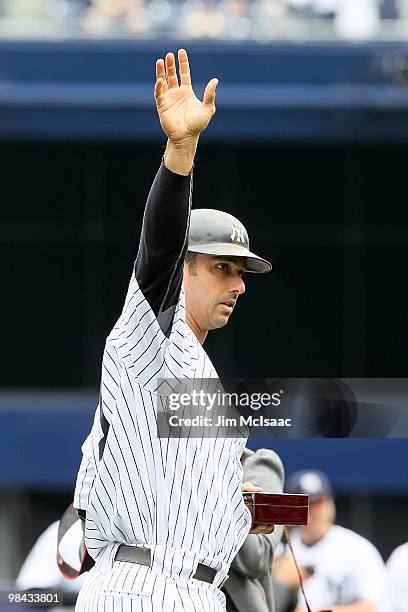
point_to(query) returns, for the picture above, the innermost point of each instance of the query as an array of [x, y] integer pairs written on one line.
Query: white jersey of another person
[[180, 497], [345, 568], [397, 570]]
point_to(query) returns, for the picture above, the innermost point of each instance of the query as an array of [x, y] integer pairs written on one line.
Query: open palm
[[182, 115]]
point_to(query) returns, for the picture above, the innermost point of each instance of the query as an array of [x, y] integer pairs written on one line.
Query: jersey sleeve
[[397, 582], [371, 575], [154, 291], [92, 448], [87, 472], [139, 336]]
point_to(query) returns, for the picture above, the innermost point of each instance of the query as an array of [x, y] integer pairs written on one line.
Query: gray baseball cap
[[214, 232], [313, 483]]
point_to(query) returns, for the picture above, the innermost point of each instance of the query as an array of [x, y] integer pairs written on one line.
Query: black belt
[[143, 557]]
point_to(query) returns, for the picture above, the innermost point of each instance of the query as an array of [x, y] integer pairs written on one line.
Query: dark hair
[[190, 261]]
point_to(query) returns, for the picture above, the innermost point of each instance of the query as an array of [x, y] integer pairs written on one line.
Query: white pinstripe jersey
[[183, 494]]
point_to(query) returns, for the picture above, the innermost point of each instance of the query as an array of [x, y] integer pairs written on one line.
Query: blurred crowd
[[208, 19]]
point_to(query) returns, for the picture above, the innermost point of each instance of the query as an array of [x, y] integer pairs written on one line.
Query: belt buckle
[[223, 582]]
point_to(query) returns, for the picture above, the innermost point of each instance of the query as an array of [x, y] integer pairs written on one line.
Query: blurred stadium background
[[309, 147]]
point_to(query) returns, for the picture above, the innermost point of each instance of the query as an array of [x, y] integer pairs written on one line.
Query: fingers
[[184, 67], [171, 73], [209, 93], [166, 70], [161, 83], [160, 72], [159, 88], [262, 529], [248, 487]]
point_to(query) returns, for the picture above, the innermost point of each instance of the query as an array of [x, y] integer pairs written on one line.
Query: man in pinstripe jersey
[[164, 517]]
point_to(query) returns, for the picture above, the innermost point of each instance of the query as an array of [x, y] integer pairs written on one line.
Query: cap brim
[[254, 263]]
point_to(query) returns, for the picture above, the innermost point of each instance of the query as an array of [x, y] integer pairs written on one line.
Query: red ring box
[[277, 508]]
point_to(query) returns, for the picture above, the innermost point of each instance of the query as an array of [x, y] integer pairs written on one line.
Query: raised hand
[[182, 115]]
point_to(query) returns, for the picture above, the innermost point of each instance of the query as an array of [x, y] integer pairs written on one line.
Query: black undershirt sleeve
[[163, 243]]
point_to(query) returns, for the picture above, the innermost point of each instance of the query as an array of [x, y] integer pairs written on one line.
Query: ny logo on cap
[[237, 233]]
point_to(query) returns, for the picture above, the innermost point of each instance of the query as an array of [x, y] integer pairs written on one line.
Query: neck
[[201, 334]]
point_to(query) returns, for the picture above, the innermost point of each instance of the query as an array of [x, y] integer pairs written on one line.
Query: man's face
[[322, 512], [212, 285]]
